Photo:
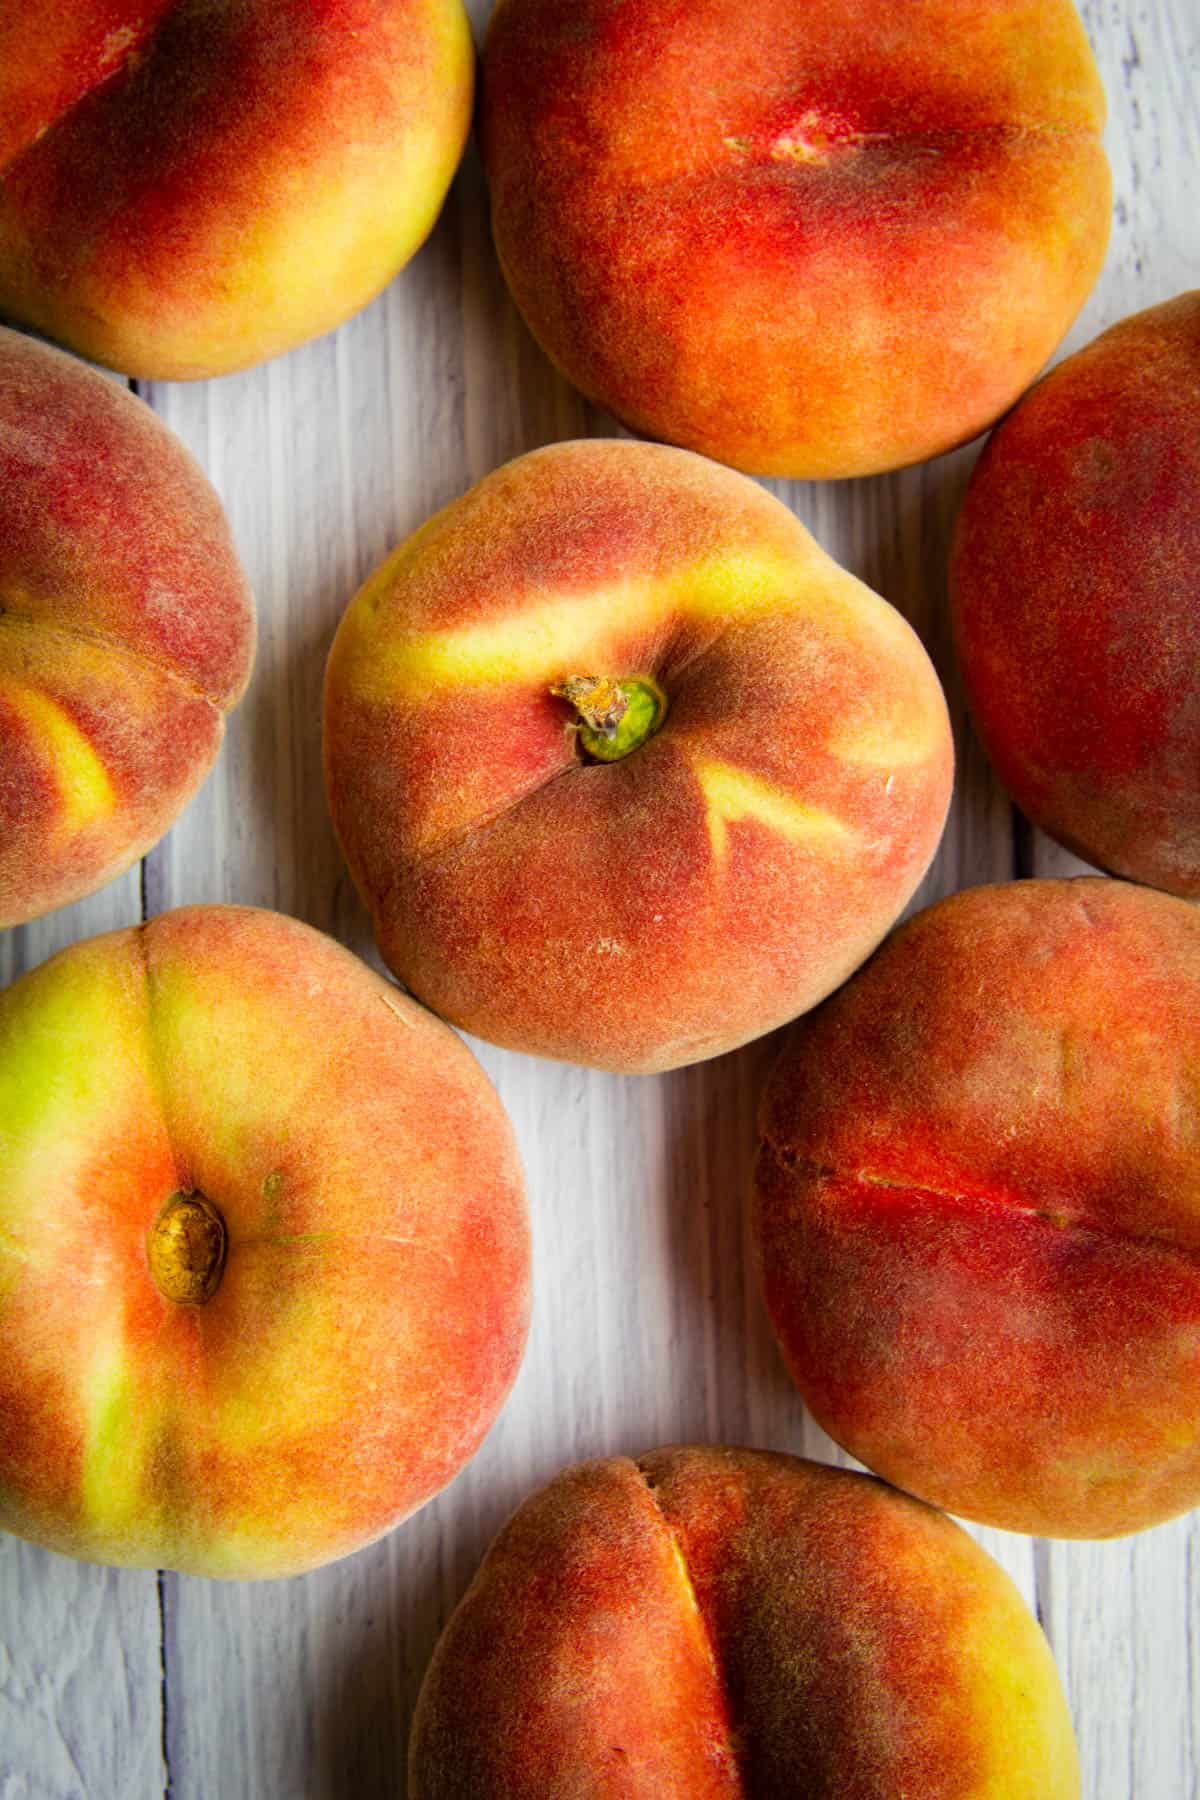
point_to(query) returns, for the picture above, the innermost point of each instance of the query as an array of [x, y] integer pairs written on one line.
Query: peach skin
[[714, 1624], [807, 239], [1075, 586], [189, 186], [626, 768], [978, 1208], [264, 1256], [126, 628]]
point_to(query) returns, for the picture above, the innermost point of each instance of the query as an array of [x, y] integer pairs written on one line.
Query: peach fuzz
[[808, 240], [977, 1208], [709, 881], [186, 188], [264, 1256], [1074, 585], [731, 1625], [126, 629]]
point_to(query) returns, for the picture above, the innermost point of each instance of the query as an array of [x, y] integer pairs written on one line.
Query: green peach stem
[[614, 717], [186, 1250]]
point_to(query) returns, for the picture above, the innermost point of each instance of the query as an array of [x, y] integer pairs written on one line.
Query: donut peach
[[126, 628], [627, 770], [712, 1624], [187, 187], [264, 1255], [804, 237], [1075, 585], [978, 1208]]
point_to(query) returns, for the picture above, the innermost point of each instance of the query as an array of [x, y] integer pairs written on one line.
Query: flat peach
[[626, 768], [264, 1256], [978, 1208], [808, 240], [187, 188], [126, 629], [1074, 591], [729, 1625]]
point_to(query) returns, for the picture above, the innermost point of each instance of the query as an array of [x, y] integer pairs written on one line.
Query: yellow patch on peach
[[117, 1435], [900, 743], [85, 791], [536, 641], [733, 796]]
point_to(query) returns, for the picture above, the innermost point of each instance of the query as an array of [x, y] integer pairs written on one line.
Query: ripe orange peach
[[978, 1208], [729, 1625], [626, 768], [186, 188], [809, 240], [126, 628], [1074, 583], [264, 1257]]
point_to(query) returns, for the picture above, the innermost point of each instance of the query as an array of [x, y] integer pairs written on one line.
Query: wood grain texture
[[647, 1328]]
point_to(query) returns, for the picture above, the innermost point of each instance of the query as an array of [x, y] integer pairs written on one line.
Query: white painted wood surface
[[647, 1326]]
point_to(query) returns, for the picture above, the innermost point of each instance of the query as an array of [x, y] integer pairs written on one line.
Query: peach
[[626, 768], [731, 1625], [126, 629], [188, 188], [809, 240], [978, 1208], [264, 1258], [1074, 590]]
